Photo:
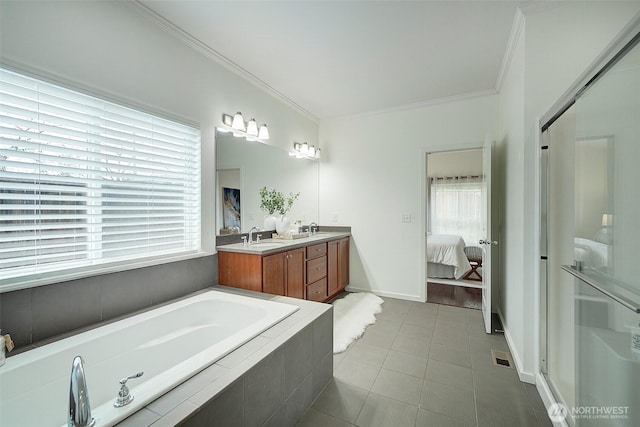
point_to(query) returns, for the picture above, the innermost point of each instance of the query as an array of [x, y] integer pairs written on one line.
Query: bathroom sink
[[266, 245]]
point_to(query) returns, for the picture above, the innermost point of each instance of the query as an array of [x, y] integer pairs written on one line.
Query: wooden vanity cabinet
[[295, 273], [343, 263], [337, 266], [316, 272], [283, 273]]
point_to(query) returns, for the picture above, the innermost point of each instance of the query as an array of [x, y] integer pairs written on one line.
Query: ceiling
[[337, 58]]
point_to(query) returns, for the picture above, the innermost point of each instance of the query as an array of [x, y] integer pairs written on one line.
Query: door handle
[[488, 242]]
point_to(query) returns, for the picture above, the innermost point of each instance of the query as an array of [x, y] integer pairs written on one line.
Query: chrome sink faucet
[[250, 241], [79, 405], [311, 230]]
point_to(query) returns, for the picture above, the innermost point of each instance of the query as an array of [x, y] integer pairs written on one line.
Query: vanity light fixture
[[238, 122], [252, 128], [264, 132], [240, 129], [305, 151]]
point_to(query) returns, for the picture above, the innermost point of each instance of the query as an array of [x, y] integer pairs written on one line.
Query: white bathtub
[[170, 344]]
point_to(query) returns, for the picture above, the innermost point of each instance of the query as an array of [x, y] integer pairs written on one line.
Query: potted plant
[[283, 224], [272, 201]]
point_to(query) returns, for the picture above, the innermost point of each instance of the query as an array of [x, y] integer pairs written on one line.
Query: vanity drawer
[[314, 251], [317, 291], [316, 269]]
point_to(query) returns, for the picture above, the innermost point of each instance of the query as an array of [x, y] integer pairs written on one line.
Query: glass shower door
[[607, 242], [591, 345]]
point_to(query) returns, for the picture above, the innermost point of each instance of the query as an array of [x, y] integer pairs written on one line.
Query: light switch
[[334, 216]]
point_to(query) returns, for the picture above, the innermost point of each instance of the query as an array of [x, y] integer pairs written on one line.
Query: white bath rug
[[351, 315]]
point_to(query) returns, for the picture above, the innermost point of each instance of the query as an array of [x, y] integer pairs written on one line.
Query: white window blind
[[85, 182]]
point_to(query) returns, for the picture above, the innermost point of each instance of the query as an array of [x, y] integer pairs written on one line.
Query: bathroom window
[[85, 182], [456, 207]]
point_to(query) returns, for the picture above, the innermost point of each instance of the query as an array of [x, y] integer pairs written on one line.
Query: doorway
[[457, 223]]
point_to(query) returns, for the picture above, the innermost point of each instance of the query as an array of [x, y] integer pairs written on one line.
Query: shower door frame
[[628, 38]]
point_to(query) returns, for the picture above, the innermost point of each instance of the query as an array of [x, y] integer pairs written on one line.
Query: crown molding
[[211, 53], [421, 104], [516, 32]]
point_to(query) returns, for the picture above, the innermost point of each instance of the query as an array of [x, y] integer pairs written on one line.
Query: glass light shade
[[318, 153], [305, 148], [263, 133], [312, 151], [238, 122], [252, 127]]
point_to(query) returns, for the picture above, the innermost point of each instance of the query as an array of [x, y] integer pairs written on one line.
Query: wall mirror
[[244, 167]]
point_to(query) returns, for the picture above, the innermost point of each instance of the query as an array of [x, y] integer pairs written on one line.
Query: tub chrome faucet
[[79, 405], [124, 396], [250, 241]]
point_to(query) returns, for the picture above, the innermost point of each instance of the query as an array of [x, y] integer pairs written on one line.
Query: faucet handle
[[124, 397], [130, 377]]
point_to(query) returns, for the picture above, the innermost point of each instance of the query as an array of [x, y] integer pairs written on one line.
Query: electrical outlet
[[406, 218], [334, 216], [250, 217]]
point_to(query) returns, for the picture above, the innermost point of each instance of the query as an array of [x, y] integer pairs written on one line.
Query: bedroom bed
[[445, 257]]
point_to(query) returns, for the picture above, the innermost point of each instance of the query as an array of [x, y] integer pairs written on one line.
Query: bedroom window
[[85, 182], [456, 207]]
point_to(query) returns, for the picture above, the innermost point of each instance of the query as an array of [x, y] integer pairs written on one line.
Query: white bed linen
[[448, 249]]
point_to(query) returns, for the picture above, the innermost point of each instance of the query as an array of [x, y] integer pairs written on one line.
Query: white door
[[487, 242]]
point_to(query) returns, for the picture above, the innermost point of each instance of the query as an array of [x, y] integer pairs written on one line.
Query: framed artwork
[[231, 207]]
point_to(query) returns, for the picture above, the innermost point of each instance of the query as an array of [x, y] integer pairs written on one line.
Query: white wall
[[558, 44], [509, 153], [112, 50], [372, 172]]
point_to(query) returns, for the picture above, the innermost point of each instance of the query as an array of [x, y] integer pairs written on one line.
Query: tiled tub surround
[[34, 316], [170, 344], [278, 373], [271, 380]]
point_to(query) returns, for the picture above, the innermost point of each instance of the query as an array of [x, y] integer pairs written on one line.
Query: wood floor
[[458, 296]]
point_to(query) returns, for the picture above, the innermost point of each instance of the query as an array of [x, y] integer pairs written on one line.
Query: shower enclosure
[[590, 244]]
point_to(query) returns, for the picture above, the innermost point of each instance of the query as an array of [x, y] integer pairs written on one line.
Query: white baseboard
[[548, 399], [415, 298], [527, 377]]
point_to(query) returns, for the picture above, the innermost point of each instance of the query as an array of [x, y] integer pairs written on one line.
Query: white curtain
[[456, 207]]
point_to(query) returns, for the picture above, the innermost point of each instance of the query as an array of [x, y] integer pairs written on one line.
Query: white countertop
[[271, 246]]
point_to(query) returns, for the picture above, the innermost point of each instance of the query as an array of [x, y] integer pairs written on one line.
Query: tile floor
[[425, 365]]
